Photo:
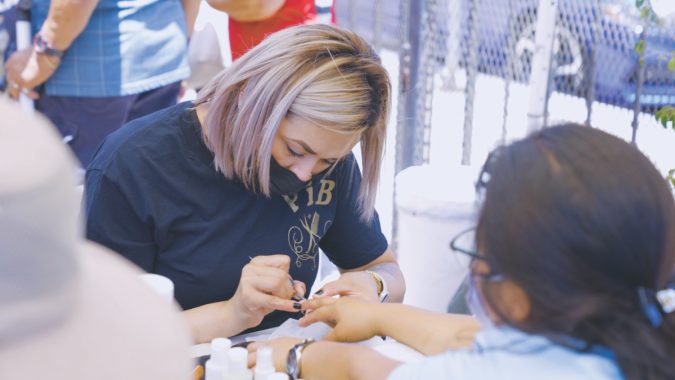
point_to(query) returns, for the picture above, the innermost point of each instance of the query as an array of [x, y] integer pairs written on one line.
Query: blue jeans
[[85, 121]]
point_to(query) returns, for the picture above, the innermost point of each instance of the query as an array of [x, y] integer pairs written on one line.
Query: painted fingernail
[[319, 292], [296, 298], [242, 344], [297, 305]]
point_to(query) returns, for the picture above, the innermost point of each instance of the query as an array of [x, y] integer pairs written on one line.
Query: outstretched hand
[[359, 285], [352, 320], [26, 69]]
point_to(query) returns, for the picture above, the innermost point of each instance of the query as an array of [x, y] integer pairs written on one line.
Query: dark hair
[[581, 220]]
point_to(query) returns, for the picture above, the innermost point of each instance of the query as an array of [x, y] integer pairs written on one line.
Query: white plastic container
[[264, 363], [160, 284], [238, 365], [434, 204], [217, 364], [278, 376]]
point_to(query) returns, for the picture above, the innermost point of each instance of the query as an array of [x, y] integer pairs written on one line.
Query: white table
[[388, 347]]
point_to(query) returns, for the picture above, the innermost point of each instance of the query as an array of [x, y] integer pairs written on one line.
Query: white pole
[[541, 63], [24, 41], [663, 8], [323, 11]]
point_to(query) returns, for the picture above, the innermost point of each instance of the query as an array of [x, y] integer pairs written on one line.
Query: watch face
[[292, 364], [41, 46]]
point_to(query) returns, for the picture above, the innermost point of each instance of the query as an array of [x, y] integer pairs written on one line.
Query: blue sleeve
[[448, 365], [113, 222], [351, 242]]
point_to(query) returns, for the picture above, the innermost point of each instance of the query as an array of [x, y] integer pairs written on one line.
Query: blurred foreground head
[[70, 309], [584, 224]]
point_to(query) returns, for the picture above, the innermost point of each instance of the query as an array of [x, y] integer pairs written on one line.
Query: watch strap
[[293, 364], [382, 289], [42, 46]]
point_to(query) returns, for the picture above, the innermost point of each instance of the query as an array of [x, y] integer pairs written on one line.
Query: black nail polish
[[319, 292], [242, 344], [297, 305]]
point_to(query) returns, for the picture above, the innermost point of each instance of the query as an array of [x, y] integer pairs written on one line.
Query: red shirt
[[245, 35]]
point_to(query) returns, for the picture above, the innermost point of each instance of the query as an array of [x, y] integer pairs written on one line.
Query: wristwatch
[[293, 359], [382, 289], [41, 46]]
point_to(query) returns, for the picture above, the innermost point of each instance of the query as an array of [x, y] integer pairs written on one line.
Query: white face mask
[[476, 303]]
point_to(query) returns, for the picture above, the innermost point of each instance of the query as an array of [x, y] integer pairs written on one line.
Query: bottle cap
[[219, 349], [238, 358], [264, 359], [278, 376], [163, 286]]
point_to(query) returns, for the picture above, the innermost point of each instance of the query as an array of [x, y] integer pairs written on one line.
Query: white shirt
[[506, 353]]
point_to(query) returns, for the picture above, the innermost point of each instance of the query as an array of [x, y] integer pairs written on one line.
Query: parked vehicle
[[595, 49]]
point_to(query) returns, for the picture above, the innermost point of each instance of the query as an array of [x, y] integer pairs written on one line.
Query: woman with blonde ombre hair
[[232, 196]]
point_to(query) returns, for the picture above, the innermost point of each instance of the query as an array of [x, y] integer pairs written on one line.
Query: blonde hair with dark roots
[[327, 75]]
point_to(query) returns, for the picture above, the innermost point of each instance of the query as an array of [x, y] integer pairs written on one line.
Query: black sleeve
[[113, 222], [350, 242]]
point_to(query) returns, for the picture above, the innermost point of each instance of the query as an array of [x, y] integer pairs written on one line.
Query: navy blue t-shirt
[[154, 195]]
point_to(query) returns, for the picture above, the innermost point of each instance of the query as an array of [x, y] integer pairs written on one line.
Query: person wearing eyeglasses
[[571, 277]]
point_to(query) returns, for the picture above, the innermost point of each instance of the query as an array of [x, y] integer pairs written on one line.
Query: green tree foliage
[[666, 115]]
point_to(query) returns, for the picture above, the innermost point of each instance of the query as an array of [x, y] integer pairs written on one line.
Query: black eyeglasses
[[465, 243], [459, 243]]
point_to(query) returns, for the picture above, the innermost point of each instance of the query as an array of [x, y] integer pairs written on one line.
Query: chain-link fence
[[466, 80], [611, 52]]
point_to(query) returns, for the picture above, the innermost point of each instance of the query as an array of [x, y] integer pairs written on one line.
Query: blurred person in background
[[95, 65], [69, 308], [7, 35], [250, 21], [571, 276]]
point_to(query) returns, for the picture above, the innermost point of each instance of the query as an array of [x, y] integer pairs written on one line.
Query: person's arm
[[248, 10], [427, 332], [264, 286], [118, 217], [65, 21], [218, 319], [357, 282], [115, 218], [356, 245], [191, 9], [329, 360]]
